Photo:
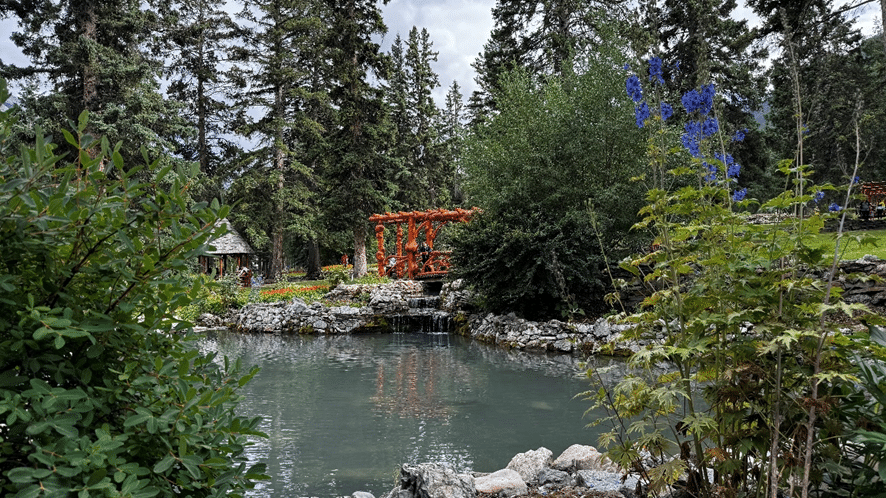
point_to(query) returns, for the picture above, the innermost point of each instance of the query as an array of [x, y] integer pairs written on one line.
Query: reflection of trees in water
[[550, 364], [419, 383]]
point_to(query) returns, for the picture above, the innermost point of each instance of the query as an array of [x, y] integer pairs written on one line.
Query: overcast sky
[[458, 30]]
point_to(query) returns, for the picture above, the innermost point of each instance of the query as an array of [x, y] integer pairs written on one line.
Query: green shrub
[[100, 393]]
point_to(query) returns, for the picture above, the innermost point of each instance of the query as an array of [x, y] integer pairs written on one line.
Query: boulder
[[581, 457], [431, 480], [505, 482], [603, 481], [530, 463], [557, 478], [362, 494]]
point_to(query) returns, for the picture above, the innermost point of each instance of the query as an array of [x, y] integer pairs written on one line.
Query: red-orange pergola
[[874, 191], [412, 261]]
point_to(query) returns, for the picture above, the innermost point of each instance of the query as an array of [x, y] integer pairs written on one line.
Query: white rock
[[506, 482], [530, 463]]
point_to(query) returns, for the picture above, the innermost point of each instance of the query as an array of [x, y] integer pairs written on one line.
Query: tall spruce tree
[[360, 172], [423, 175], [818, 79], [195, 43], [541, 36], [452, 134], [280, 45], [702, 42], [94, 55]]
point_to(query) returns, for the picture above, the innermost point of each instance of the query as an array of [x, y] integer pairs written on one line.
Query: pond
[[344, 412]]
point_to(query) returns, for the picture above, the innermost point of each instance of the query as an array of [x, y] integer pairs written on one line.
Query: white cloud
[[457, 28]]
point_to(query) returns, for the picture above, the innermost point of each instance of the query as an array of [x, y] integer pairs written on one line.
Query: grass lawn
[[854, 244]]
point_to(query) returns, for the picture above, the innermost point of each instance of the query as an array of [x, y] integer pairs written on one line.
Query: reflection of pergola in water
[[409, 262]]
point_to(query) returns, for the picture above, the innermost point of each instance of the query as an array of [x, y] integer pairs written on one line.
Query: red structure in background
[[411, 259], [876, 195]]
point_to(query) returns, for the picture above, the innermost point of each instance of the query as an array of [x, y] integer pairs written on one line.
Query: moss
[[307, 329], [376, 325]]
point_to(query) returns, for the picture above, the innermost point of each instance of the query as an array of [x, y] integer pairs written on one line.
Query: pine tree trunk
[[314, 267], [279, 165], [360, 250]]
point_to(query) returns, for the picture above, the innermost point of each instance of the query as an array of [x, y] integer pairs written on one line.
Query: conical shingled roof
[[231, 242]]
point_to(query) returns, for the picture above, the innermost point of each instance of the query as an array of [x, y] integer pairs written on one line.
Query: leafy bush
[[100, 393], [308, 294], [550, 171], [749, 374], [336, 274]]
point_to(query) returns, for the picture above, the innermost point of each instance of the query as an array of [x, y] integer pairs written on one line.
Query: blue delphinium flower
[[666, 111], [712, 171], [709, 127], [818, 196], [635, 90], [627, 67], [699, 100], [834, 207], [655, 70], [738, 195], [692, 138], [856, 180], [641, 113], [739, 135]]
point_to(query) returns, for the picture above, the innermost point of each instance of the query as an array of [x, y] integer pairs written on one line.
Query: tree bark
[[280, 208], [314, 267], [360, 249]]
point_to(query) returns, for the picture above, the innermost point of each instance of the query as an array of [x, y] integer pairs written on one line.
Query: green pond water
[[343, 413]]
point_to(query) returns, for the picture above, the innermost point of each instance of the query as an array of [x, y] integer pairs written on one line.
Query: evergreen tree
[[701, 42], [275, 91], [541, 36], [452, 134], [360, 173], [195, 44], [415, 116], [93, 54], [818, 81]]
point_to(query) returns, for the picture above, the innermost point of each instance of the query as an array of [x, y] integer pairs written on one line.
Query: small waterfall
[[423, 316]]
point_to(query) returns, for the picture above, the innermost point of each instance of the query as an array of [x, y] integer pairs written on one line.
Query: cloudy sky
[[458, 30]]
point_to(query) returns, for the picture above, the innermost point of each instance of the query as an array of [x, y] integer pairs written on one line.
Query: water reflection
[[343, 412]]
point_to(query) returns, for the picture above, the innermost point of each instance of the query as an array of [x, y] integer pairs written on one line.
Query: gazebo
[[231, 252]]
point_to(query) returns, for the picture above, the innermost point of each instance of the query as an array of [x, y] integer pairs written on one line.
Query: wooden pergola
[[412, 260], [874, 191]]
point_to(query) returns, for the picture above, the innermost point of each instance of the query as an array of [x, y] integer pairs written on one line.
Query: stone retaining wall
[[387, 303]]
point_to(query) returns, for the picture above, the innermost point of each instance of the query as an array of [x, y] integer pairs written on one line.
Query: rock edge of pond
[[580, 471], [384, 307]]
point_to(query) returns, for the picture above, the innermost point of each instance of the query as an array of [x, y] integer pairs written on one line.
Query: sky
[[458, 29]]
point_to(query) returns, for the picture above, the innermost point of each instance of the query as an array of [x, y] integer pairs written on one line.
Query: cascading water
[[424, 316]]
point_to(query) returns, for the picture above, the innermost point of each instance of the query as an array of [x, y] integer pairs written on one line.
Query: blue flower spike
[[634, 88], [655, 70]]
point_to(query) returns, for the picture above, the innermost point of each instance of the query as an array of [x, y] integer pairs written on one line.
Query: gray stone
[[603, 481], [506, 482], [581, 457], [530, 463], [431, 480], [362, 494], [551, 476], [319, 325]]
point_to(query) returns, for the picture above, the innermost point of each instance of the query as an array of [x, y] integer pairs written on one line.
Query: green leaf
[[164, 465], [192, 463]]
